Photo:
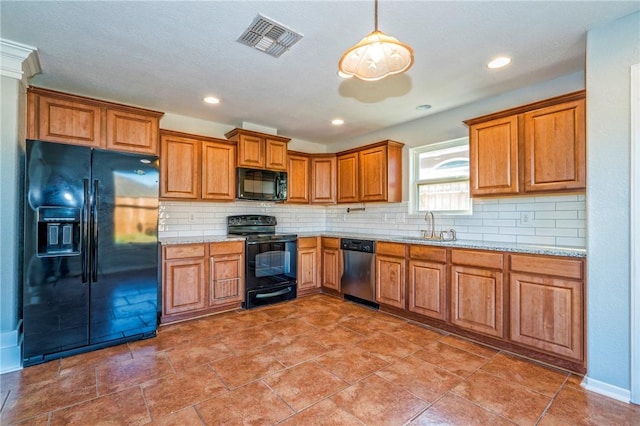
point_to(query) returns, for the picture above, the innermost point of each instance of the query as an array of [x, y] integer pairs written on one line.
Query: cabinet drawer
[[547, 265], [390, 249], [182, 251], [481, 259], [307, 242], [331, 243], [227, 247], [435, 254]]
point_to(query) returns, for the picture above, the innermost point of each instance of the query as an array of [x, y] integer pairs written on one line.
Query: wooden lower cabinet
[[308, 262], [428, 281], [331, 271], [226, 285], [199, 279], [546, 302], [184, 278], [477, 291], [390, 274]]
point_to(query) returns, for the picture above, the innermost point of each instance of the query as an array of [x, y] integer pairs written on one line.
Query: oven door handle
[[275, 293], [285, 240]]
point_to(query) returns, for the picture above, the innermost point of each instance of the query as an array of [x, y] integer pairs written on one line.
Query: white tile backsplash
[[553, 220]]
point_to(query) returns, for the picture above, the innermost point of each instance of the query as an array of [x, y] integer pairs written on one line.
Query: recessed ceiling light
[[211, 100], [499, 62], [337, 121], [423, 107]]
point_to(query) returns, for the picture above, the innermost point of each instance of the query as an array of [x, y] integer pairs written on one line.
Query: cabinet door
[[427, 288], [226, 279], [546, 313], [493, 153], [218, 171], [184, 285], [323, 180], [127, 131], [348, 178], [554, 143], [68, 121], [390, 281], [251, 152], [179, 167], [276, 155], [476, 300], [372, 174], [331, 268], [298, 179], [307, 268]]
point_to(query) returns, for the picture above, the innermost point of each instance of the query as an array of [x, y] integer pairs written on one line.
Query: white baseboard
[[11, 350], [606, 389]]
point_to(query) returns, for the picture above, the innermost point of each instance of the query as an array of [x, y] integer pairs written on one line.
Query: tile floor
[[314, 361]]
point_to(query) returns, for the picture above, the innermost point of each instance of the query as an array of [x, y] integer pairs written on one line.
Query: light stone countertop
[[468, 244], [198, 239]]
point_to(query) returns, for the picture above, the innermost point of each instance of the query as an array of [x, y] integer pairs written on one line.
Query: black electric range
[[270, 259]]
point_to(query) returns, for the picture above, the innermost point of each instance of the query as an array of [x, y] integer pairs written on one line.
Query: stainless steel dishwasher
[[358, 280]]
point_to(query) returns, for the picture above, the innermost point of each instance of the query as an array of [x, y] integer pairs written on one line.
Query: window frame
[[414, 181]]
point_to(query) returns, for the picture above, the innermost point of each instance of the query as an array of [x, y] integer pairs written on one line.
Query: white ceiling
[[167, 56]]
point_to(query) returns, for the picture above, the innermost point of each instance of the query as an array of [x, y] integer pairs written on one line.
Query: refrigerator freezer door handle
[[85, 232], [94, 242]]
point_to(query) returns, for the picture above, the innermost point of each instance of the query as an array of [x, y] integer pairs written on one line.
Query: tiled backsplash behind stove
[[547, 220]]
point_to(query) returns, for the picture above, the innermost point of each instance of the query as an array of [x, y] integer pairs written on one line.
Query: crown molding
[[18, 60]]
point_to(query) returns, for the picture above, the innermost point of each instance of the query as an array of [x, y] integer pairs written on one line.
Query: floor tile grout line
[[555, 395]]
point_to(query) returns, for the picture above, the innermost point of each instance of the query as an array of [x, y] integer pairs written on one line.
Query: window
[[440, 177]]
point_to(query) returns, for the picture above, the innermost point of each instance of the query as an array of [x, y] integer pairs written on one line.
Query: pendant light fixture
[[376, 56]]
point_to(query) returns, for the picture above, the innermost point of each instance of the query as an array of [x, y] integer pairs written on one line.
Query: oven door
[[270, 263]]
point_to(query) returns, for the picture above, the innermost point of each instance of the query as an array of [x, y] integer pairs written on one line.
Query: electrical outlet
[[526, 218], [192, 217]]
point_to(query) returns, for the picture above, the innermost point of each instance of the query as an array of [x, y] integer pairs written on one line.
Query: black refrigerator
[[90, 249]]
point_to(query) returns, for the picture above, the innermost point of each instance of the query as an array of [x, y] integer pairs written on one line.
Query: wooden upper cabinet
[[127, 131], [493, 153], [534, 148], [348, 177], [179, 166], [196, 167], [57, 119], [554, 148], [259, 150], [251, 152], [218, 171], [275, 154], [371, 173], [298, 179], [323, 179], [61, 117]]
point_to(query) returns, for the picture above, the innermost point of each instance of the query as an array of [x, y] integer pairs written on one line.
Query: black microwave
[[261, 185]]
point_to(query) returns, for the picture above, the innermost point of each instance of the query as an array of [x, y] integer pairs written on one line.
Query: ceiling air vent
[[269, 36]]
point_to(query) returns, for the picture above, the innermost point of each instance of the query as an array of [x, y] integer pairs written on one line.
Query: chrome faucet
[[429, 218]]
